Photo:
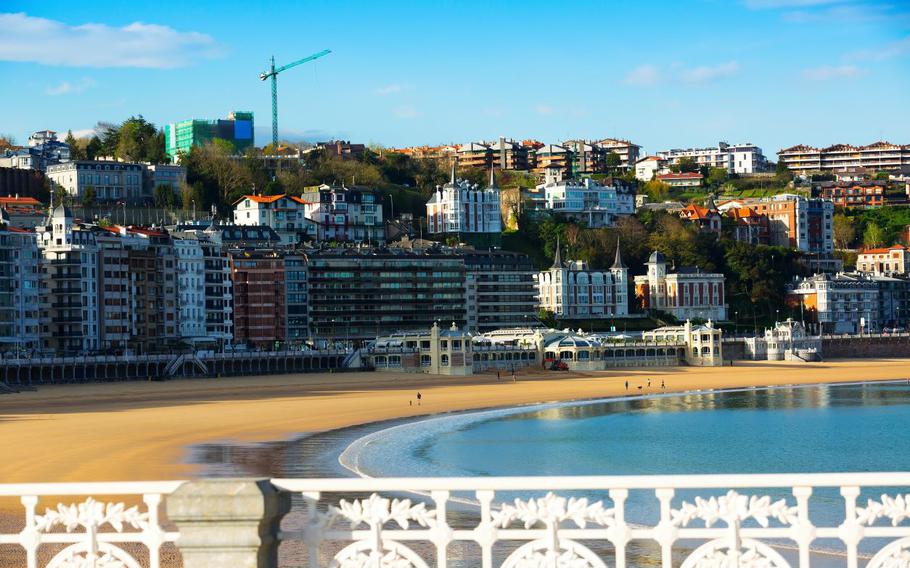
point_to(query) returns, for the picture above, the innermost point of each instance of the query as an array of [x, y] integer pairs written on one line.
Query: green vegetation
[[870, 227], [135, 140]]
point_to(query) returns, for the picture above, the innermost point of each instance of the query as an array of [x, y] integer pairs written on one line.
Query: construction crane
[[273, 73]]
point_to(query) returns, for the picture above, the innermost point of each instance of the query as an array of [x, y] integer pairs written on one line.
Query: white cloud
[[708, 73], [26, 38], [84, 133], [544, 110], [849, 14], [389, 89], [406, 112], [66, 87], [829, 72], [889, 51], [643, 76]]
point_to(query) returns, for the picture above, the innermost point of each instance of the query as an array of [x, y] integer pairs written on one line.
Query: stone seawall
[[865, 346]]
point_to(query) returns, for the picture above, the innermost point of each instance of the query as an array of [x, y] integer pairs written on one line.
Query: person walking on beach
[[627, 385], [514, 380], [662, 384], [497, 374], [418, 398], [649, 383]]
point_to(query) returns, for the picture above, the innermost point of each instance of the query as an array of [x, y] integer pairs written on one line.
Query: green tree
[[613, 162], [873, 236], [94, 148], [685, 164], [88, 196], [77, 150], [547, 317], [716, 177], [137, 141], [164, 196], [657, 190], [843, 230]]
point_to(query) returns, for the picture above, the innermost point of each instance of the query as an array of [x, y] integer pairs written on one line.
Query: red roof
[[883, 250], [693, 211], [683, 175], [16, 200]]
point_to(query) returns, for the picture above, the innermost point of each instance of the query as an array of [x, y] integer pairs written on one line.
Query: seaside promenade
[[143, 430]]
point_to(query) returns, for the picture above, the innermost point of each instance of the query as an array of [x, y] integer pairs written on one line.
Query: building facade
[[258, 286], [880, 156], [362, 294], [237, 128], [343, 214], [106, 180], [853, 195], [837, 303], [461, 208], [571, 291], [19, 281], [500, 290], [791, 221], [682, 179], [628, 152], [735, 158], [686, 294], [585, 201], [285, 214], [885, 261]]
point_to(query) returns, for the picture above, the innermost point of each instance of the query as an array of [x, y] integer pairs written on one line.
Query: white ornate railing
[[713, 521], [82, 532], [700, 521]]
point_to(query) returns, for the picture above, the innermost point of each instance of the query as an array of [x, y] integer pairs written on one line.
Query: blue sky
[[662, 73]]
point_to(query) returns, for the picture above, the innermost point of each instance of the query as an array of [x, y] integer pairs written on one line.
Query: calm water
[[799, 429]]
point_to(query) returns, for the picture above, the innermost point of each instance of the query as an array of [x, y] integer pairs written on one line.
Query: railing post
[[228, 522]]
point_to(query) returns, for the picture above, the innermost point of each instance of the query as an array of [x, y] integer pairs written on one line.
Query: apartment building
[[43, 150], [627, 151], [792, 221], [585, 158], [688, 293], [259, 308], [169, 175], [853, 195], [109, 180], [650, 166], [884, 261], [237, 129], [880, 156], [706, 217], [553, 156], [191, 290], [510, 155], [837, 303], [295, 283], [19, 281], [584, 200], [735, 158], [500, 289], [362, 294], [573, 291], [463, 209], [475, 155], [69, 292]]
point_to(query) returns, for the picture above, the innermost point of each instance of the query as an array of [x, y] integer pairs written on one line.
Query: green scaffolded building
[[237, 129]]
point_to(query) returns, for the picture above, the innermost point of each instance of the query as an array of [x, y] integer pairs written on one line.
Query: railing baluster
[[664, 530], [850, 529], [442, 537], [312, 535], [485, 531], [621, 531], [804, 532], [30, 538]]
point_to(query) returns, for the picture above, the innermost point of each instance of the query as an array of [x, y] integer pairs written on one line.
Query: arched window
[[444, 361], [425, 360]]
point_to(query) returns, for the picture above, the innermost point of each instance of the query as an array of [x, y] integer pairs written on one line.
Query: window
[[444, 360]]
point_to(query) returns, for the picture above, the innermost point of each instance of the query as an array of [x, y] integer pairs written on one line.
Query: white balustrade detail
[[90, 533], [403, 523], [699, 521]]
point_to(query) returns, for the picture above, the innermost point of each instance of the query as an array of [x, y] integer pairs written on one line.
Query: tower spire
[[617, 262], [492, 176], [454, 165]]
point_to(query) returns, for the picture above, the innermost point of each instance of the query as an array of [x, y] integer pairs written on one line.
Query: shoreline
[[68, 427]]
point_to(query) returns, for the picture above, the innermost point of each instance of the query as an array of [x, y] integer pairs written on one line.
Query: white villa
[[786, 341], [582, 200], [572, 291], [461, 208]]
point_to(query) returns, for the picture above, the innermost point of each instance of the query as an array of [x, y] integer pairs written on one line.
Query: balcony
[[589, 522]]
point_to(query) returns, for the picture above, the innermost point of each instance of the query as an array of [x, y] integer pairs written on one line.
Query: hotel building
[[572, 291], [850, 195], [258, 284], [111, 181], [686, 294], [839, 303], [793, 221], [879, 156]]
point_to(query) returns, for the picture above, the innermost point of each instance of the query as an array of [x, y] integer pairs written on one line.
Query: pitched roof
[[261, 198], [883, 250], [681, 175], [16, 200], [693, 211]]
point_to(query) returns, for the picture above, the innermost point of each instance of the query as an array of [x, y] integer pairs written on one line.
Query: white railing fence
[[82, 532], [687, 521]]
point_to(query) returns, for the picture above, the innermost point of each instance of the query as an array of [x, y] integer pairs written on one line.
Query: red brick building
[[260, 314]]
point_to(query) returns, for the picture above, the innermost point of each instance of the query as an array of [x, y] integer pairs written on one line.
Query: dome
[[571, 341], [657, 257]]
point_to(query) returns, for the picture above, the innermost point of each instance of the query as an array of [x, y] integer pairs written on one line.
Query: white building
[[649, 166], [285, 214], [586, 201], [704, 345], [190, 290], [572, 291], [786, 341], [735, 158], [69, 287], [461, 208], [886, 261], [628, 152], [839, 303], [686, 294], [110, 181], [19, 279]]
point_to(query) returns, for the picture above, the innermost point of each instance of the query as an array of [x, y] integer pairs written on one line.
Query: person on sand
[[419, 396], [649, 383], [627, 385], [497, 374], [663, 385], [513, 377]]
